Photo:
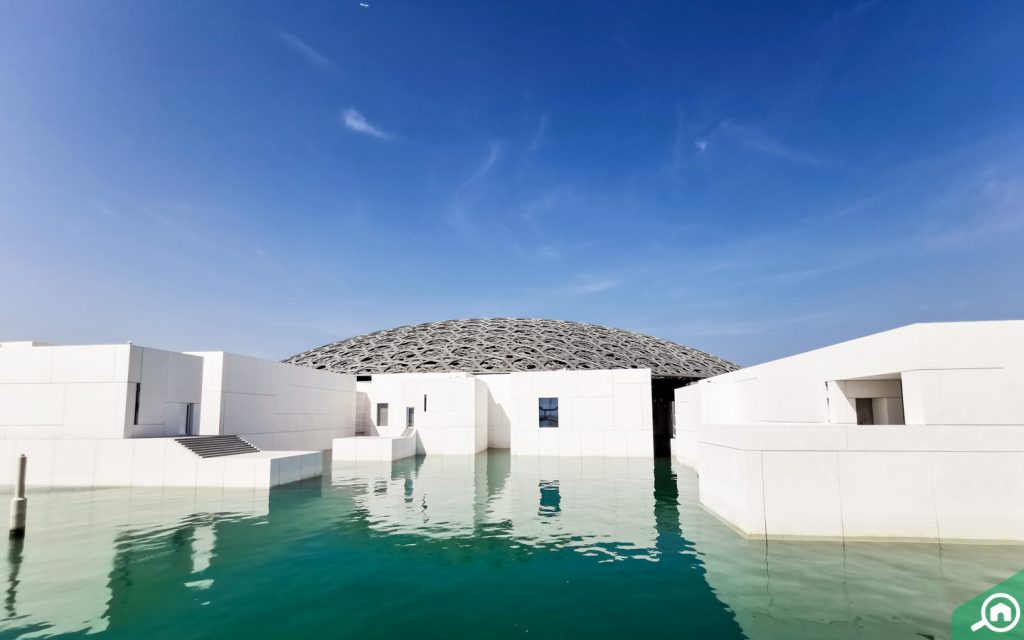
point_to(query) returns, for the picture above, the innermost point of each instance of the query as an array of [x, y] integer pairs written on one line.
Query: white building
[[115, 415], [536, 387], [544, 413], [273, 405], [914, 433]]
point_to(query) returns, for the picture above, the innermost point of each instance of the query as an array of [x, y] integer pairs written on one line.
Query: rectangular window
[[382, 414], [424, 403], [865, 411], [138, 393], [548, 413], [410, 418], [190, 410]]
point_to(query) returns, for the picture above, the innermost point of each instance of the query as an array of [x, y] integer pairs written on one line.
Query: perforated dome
[[503, 345]]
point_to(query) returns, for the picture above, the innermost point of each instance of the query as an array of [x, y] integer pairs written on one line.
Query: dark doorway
[[662, 397]]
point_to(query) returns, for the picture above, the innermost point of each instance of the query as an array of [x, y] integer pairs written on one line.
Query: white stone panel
[[801, 494]]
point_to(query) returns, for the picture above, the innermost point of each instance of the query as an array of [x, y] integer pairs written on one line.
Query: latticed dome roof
[[502, 345]]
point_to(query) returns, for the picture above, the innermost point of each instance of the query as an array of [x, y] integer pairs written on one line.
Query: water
[[490, 546]]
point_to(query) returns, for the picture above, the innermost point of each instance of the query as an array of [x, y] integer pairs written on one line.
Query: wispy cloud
[[539, 134], [357, 122], [459, 212], [591, 286], [990, 207], [758, 141], [300, 46], [493, 154], [700, 144]]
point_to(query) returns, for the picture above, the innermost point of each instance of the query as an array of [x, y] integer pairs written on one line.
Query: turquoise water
[[490, 546]]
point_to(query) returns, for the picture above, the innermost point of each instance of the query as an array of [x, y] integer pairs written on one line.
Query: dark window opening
[[382, 414], [410, 417], [424, 403], [364, 378], [548, 413], [865, 411], [138, 393]]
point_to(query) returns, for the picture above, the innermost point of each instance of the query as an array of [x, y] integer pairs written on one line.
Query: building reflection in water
[[601, 507], [94, 559], [74, 565]]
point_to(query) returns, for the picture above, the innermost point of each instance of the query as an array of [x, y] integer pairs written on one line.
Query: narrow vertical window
[[382, 414], [548, 410], [410, 418], [138, 393], [865, 411], [190, 409], [424, 403]]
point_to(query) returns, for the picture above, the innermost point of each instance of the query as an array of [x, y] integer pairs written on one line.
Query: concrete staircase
[[215, 446]]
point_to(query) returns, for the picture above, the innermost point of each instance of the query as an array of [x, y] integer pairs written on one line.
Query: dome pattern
[[503, 345]]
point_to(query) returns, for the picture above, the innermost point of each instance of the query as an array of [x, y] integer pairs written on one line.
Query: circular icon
[[999, 613]]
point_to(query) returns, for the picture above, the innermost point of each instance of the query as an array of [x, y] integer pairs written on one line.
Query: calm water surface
[[490, 546]]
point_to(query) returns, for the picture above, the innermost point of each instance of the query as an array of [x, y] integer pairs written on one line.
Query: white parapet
[[374, 448], [151, 462]]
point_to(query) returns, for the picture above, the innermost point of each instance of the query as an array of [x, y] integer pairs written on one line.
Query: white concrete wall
[[169, 382], [273, 405], [601, 413], [846, 481], [373, 448], [688, 412], [59, 392], [499, 410], [455, 422], [952, 373], [148, 462], [779, 453]]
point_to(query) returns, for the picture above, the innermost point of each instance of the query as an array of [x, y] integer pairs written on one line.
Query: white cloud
[[701, 144], [357, 122], [301, 47], [539, 134], [755, 140], [493, 154], [591, 286]]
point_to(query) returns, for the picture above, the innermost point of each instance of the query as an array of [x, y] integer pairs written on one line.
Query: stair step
[[216, 446]]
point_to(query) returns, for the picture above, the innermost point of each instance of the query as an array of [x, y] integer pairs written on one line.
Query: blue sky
[[751, 179]]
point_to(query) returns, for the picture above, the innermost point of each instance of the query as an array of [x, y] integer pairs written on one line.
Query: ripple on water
[[464, 546]]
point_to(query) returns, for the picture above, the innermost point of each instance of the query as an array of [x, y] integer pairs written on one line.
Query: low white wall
[[273, 405], [601, 413], [373, 448], [58, 392], [455, 422], [944, 483], [148, 462]]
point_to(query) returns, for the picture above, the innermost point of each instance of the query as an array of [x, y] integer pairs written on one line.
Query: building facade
[[915, 433]]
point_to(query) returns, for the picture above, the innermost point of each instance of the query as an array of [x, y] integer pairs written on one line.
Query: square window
[[548, 413]]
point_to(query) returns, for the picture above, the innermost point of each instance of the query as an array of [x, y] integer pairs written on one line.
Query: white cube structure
[[108, 415], [96, 391], [595, 413], [915, 433], [273, 405]]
